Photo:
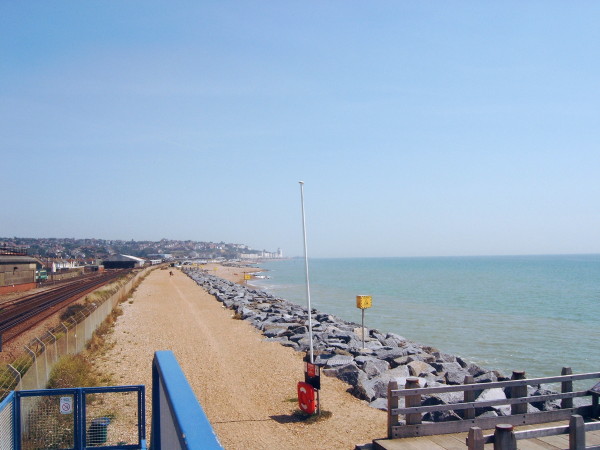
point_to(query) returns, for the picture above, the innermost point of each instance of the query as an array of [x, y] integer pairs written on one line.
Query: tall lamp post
[[310, 337]]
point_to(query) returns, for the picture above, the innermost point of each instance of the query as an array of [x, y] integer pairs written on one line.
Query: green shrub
[[72, 371]]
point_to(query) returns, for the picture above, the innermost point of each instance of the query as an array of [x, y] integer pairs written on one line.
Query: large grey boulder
[[443, 398], [389, 354], [380, 403], [446, 366], [441, 416], [419, 368], [338, 360], [379, 383], [275, 330], [493, 394], [456, 377], [348, 373], [374, 367]]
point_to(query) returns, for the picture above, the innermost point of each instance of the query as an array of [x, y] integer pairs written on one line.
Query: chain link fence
[[32, 369]]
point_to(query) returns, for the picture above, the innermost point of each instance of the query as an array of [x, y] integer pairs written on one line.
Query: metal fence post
[[47, 370], [17, 375], [35, 364], [55, 346], [66, 337]]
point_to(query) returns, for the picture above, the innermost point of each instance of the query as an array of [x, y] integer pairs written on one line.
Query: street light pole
[[310, 337]]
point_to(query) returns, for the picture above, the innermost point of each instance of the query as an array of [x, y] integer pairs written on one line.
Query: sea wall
[[338, 349]]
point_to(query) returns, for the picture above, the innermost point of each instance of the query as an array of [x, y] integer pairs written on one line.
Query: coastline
[[368, 368], [507, 313], [243, 382]]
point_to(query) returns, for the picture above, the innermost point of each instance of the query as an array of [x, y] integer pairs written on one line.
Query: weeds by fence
[[31, 370]]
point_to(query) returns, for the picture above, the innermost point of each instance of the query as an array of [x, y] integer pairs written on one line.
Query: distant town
[[91, 250]]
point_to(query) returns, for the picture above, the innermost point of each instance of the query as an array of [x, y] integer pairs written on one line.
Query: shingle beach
[[243, 382]]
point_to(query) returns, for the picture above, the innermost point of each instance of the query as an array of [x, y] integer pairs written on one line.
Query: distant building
[[17, 273], [122, 262], [262, 255], [59, 265], [163, 256]]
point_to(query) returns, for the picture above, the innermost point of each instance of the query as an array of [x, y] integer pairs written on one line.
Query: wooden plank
[[495, 384], [475, 440], [592, 438], [449, 441], [469, 397], [519, 391], [428, 429], [392, 417], [412, 401], [566, 386], [559, 441], [507, 401], [542, 432], [407, 444], [535, 444]]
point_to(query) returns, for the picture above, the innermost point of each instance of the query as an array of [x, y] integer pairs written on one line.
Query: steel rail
[[36, 305], [50, 286]]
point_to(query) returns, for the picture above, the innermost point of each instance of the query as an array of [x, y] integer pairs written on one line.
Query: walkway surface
[[458, 441], [245, 384]]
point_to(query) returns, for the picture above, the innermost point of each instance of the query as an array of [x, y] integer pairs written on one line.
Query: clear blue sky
[[419, 128]]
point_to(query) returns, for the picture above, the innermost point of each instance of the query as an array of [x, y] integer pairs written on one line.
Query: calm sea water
[[532, 313]]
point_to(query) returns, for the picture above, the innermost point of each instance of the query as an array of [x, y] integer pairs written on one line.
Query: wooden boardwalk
[[458, 441]]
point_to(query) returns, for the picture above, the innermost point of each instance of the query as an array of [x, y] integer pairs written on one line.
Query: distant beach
[[532, 313]]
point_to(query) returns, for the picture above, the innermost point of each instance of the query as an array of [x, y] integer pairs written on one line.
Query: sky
[[420, 128]]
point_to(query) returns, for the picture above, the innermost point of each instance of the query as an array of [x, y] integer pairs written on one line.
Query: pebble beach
[[245, 384]]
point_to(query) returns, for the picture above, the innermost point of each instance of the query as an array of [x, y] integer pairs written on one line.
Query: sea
[[531, 313]]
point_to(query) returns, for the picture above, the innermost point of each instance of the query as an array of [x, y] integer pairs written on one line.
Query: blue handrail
[[7, 407], [178, 420]]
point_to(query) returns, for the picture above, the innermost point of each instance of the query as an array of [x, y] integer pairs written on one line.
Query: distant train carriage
[[41, 275]]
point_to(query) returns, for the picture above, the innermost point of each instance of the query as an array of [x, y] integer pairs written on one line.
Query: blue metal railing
[[79, 438], [7, 427], [178, 421]]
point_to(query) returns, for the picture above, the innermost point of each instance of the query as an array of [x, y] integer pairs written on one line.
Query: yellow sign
[[247, 276], [363, 301]]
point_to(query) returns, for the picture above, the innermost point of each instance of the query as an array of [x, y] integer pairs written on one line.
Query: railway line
[[19, 315]]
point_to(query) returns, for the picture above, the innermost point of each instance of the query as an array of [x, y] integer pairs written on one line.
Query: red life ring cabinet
[[306, 398]]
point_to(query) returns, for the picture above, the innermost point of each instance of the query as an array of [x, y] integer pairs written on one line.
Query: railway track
[[19, 315]]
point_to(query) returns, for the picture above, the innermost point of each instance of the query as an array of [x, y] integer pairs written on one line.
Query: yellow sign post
[[247, 277], [363, 302]]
